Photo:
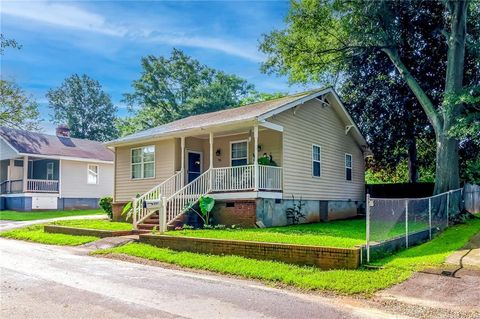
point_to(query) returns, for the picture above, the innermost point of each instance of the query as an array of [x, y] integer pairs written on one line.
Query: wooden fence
[[471, 195]]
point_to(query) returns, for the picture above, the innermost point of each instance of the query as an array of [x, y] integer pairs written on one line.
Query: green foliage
[[98, 224], [81, 103], [265, 160], [7, 43], [395, 268], [256, 97], [398, 174], [106, 204], [468, 126], [21, 216], [17, 110], [472, 171], [127, 210], [36, 234], [174, 87]]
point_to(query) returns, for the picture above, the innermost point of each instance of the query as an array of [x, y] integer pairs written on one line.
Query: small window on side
[[92, 174], [348, 167], [316, 161]]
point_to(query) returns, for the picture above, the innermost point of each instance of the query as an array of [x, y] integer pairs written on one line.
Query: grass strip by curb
[[36, 234], [395, 268], [94, 224], [24, 216]]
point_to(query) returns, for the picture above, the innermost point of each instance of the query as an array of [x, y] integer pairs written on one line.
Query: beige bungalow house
[[308, 147]]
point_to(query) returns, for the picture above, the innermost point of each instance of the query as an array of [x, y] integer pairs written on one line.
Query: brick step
[[147, 226], [151, 221]]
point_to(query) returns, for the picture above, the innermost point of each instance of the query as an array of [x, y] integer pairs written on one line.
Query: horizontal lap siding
[[127, 188], [314, 124], [74, 177]]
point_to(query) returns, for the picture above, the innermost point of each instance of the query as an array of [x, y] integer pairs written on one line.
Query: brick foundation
[[322, 257], [235, 212], [117, 211]]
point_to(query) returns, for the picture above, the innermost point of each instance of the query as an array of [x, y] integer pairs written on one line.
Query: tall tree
[[174, 87], [17, 110], [7, 43], [322, 36], [81, 103]]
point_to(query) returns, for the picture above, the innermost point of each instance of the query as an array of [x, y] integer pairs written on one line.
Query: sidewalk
[[11, 224]]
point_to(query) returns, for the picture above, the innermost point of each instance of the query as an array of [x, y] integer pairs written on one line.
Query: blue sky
[[106, 39]]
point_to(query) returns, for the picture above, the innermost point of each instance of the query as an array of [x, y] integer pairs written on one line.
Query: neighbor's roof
[[38, 144], [250, 112]]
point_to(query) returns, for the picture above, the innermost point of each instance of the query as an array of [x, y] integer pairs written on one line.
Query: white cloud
[[68, 16], [61, 15]]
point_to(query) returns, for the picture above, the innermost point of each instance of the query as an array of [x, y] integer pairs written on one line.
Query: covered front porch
[[29, 175]]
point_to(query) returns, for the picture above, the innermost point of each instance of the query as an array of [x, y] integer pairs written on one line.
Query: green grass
[[344, 233], [94, 224], [395, 268], [23, 216], [35, 233]]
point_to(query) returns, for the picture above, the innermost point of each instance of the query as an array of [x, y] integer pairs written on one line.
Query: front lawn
[[23, 216], [394, 269], [341, 233], [94, 224], [36, 234]]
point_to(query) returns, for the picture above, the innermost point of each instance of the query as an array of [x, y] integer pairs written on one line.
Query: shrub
[[106, 204]]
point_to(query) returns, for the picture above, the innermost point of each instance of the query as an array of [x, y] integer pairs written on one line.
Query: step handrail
[[165, 189]]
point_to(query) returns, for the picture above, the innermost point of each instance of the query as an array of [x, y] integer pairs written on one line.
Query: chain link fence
[[394, 224]]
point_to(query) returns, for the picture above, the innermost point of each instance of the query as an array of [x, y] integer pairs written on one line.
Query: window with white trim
[[316, 160], [50, 171], [239, 153], [92, 171], [348, 167], [143, 162]]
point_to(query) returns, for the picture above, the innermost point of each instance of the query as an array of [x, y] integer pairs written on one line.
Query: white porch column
[[182, 168], [25, 173], [211, 150], [255, 152]]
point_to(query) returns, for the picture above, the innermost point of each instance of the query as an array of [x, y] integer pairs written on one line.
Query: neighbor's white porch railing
[[42, 186], [11, 186], [165, 189]]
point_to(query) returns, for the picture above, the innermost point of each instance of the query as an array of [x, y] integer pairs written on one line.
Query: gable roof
[[44, 145], [259, 111]]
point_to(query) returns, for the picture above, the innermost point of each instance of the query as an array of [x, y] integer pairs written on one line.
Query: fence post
[[406, 223], [430, 216], [448, 205], [367, 246], [162, 227]]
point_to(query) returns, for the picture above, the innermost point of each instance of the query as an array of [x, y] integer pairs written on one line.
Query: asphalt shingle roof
[[51, 145]]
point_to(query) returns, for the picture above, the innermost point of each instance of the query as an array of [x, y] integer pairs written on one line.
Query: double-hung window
[[348, 167], [92, 174], [316, 160], [143, 162], [239, 153]]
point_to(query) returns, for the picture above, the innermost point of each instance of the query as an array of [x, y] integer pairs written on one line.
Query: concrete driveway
[[12, 224], [39, 281]]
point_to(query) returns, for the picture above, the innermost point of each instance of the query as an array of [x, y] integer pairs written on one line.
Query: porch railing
[[234, 178], [42, 186], [11, 186], [270, 178]]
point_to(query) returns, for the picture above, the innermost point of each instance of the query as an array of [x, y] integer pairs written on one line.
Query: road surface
[[39, 281]]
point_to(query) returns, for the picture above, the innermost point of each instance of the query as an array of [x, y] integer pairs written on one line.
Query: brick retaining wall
[[85, 232], [322, 257]]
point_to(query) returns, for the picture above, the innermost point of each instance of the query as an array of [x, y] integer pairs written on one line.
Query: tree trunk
[[412, 160], [446, 171]]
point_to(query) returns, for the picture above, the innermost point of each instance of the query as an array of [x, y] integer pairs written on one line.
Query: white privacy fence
[[400, 223]]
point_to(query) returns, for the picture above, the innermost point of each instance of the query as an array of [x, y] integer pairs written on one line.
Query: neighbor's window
[[92, 174], [50, 171], [348, 167], [143, 162], [239, 152], [316, 160]]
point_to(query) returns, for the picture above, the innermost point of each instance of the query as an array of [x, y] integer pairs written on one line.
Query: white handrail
[[42, 185], [234, 178], [164, 189], [177, 203]]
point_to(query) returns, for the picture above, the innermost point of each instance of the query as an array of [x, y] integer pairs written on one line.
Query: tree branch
[[420, 94]]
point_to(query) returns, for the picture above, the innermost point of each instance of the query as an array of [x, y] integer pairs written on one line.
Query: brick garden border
[[54, 229], [322, 257]]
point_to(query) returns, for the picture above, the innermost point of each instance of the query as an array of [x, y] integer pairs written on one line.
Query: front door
[[194, 165]]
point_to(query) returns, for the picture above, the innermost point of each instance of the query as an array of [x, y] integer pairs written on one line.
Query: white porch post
[[211, 159], [182, 168], [255, 151], [25, 173]]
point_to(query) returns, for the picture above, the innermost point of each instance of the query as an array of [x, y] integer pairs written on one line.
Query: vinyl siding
[[310, 124], [127, 188], [6, 152], [73, 180]]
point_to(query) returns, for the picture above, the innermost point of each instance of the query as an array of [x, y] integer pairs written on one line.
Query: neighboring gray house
[[307, 146], [48, 172]]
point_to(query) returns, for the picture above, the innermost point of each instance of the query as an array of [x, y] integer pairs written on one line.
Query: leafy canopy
[[81, 103], [17, 110], [174, 87]]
